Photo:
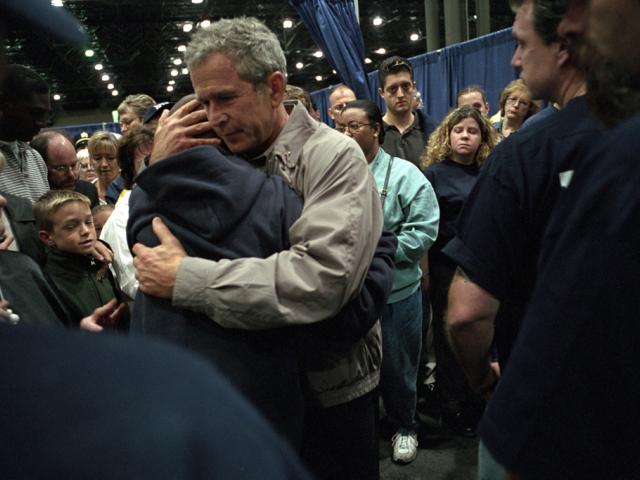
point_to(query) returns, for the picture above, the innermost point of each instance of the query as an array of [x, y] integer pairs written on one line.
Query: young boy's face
[[73, 229]]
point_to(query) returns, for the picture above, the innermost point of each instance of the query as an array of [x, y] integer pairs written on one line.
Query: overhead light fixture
[[368, 61], [114, 93], [205, 23], [185, 71], [318, 78], [56, 97], [381, 51], [414, 37], [57, 3], [197, 2], [299, 65], [187, 27], [88, 53], [174, 73], [110, 86], [177, 61], [169, 88], [98, 66], [105, 78], [182, 48], [377, 21], [318, 54], [172, 82], [287, 23]]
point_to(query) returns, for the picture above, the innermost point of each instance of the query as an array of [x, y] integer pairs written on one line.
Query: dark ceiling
[[137, 40]]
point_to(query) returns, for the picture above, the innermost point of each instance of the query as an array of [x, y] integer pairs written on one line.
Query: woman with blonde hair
[[515, 107], [452, 159], [103, 151]]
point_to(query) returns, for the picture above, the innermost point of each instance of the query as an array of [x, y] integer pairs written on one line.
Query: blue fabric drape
[[485, 61], [333, 26]]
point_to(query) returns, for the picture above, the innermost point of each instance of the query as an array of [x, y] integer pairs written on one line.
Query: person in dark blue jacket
[[220, 207]]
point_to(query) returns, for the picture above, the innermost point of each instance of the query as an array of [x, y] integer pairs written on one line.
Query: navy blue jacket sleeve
[[358, 316]]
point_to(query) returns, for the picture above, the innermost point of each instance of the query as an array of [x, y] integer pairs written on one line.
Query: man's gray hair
[[254, 49]]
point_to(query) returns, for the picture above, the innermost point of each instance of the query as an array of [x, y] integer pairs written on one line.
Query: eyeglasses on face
[[518, 101], [66, 168], [351, 126], [339, 107]]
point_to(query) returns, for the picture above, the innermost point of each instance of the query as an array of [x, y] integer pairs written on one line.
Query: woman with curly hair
[[452, 159]]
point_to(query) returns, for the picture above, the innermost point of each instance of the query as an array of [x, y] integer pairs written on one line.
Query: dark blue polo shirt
[[499, 232], [568, 405]]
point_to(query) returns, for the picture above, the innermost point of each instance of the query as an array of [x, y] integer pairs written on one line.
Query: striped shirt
[[25, 174]]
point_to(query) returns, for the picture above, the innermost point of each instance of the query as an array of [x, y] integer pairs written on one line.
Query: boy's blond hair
[[49, 203], [101, 139]]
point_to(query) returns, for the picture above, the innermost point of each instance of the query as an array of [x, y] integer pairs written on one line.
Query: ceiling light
[[169, 88], [187, 27], [318, 78], [377, 21], [197, 1], [287, 23], [98, 66], [334, 72], [174, 73], [114, 93], [177, 61], [110, 86], [318, 54], [205, 23], [182, 48], [88, 53], [414, 37], [56, 97], [299, 65], [185, 71], [57, 3], [105, 78], [368, 60], [381, 51], [172, 82]]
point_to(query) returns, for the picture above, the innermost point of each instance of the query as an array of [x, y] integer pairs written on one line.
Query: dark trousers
[[451, 380], [341, 442]]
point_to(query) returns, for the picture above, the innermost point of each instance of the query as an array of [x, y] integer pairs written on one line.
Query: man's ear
[[381, 92], [564, 51], [45, 237], [276, 83]]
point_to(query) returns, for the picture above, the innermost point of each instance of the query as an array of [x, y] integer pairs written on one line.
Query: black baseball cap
[[40, 13]]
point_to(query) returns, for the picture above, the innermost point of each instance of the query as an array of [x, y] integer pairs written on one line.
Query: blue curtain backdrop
[[333, 26], [485, 61]]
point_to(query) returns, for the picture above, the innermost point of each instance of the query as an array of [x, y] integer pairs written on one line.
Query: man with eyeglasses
[[338, 98], [63, 167], [406, 132]]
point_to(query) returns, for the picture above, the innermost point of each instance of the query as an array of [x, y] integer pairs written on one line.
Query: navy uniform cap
[[40, 13]]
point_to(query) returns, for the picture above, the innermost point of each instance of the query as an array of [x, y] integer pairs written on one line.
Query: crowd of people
[[301, 264]]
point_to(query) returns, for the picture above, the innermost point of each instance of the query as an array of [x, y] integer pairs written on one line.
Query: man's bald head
[[339, 97]]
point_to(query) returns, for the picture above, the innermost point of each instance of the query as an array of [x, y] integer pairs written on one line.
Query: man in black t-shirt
[[497, 243], [567, 405], [499, 232]]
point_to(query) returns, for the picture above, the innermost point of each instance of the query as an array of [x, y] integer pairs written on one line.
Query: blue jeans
[[401, 343], [488, 467]]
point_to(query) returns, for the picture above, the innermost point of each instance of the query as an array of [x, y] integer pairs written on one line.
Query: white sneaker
[[405, 447]]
